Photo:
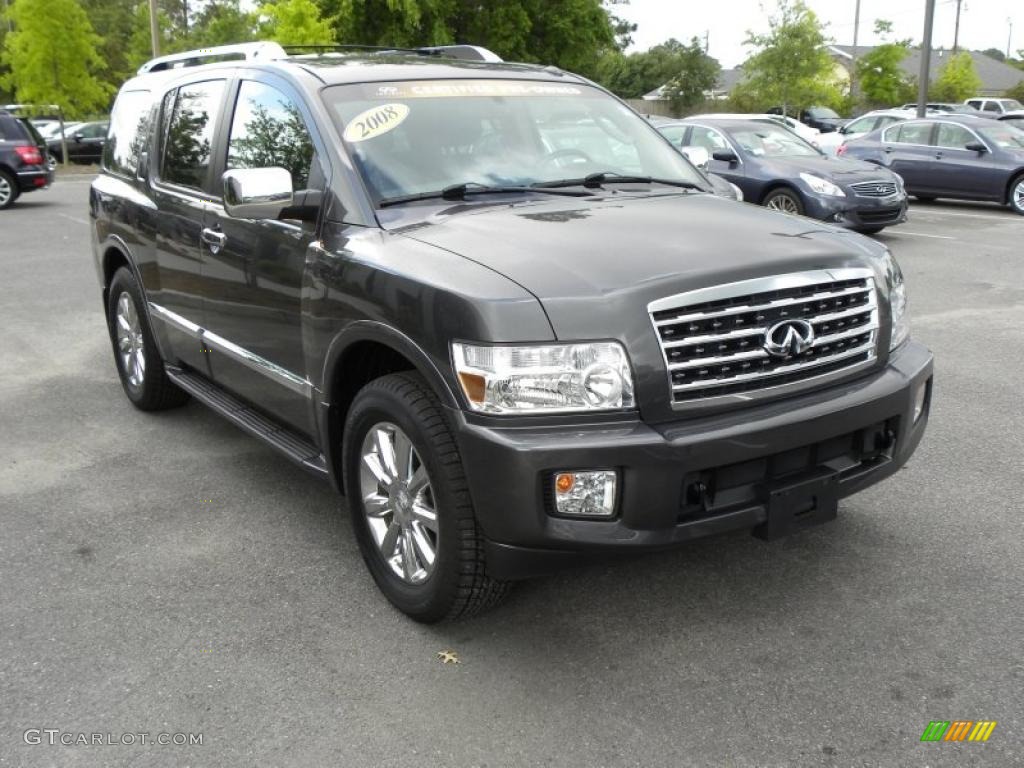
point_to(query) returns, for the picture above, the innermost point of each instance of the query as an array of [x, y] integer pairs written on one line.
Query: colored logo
[[958, 730]]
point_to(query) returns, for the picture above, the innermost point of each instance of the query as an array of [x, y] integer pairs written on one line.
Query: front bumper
[[855, 212], [863, 430]]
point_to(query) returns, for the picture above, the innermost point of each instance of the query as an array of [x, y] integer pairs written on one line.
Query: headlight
[[822, 186], [737, 191], [899, 182], [897, 302], [544, 379]]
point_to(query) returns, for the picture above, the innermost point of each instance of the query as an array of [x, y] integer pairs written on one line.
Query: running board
[[247, 418]]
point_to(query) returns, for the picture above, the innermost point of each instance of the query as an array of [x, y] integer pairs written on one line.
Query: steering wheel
[[561, 154]]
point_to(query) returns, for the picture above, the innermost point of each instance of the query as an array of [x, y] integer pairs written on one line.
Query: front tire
[[138, 361], [410, 504], [1017, 195], [870, 230], [784, 200]]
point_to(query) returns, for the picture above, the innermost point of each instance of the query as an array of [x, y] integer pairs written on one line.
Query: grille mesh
[[874, 188], [716, 348]]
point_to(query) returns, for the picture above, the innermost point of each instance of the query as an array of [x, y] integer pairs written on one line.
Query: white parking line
[[922, 234], [74, 219], [938, 212]]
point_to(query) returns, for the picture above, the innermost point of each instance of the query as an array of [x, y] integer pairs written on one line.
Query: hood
[[840, 169], [593, 263]]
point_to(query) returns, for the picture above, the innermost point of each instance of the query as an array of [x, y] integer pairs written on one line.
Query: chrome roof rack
[[246, 51], [464, 52]]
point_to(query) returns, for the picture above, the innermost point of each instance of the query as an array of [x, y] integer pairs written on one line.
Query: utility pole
[[926, 58], [853, 64], [154, 29], [1009, 38], [956, 29], [707, 40]]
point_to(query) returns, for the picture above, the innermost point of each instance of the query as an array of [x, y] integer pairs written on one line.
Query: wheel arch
[[1016, 176], [775, 186], [365, 351]]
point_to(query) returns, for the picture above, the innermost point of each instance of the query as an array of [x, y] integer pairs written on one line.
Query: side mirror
[[257, 193], [77, 137], [725, 156], [976, 146], [698, 156]]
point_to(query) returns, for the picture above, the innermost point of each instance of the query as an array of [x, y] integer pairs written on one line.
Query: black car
[[823, 118], [85, 143], [776, 168], [965, 158], [23, 164], [495, 307]]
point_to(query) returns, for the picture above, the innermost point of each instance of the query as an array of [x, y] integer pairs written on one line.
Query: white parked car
[[829, 143], [994, 106], [805, 132]]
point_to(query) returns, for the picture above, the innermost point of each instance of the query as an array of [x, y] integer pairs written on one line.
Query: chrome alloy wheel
[[6, 191], [1017, 196], [398, 502], [129, 340], [782, 203]]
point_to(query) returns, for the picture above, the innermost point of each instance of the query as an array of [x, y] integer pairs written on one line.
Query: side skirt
[[247, 418]]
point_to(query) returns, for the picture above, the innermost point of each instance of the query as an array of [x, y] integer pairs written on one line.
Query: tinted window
[[11, 129], [708, 138], [129, 132], [953, 136], [267, 131], [991, 106], [674, 133], [93, 130], [974, 103], [910, 133], [190, 129]]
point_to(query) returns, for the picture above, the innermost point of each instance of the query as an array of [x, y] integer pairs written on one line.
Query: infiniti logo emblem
[[788, 338]]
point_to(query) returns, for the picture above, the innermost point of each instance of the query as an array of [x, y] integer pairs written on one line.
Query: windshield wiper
[[596, 180], [459, 192]]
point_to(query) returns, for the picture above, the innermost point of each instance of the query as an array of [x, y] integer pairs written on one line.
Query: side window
[[910, 133], [864, 125], [674, 133], [94, 131], [974, 104], [268, 130], [991, 106], [189, 139], [953, 136], [708, 138]]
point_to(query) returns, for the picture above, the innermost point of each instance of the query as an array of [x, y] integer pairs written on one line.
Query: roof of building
[[996, 76]]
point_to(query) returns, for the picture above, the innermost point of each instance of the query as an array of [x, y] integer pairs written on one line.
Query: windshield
[[1005, 136], [772, 141], [416, 137]]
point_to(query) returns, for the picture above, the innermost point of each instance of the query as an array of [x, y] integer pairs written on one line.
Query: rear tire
[[784, 200], [1016, 197], [138, 361], [8, 190], [410, 505]]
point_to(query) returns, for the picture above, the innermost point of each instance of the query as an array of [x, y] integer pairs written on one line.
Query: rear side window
[[910, 133], [129, 132], [11, 129], [188, 145]]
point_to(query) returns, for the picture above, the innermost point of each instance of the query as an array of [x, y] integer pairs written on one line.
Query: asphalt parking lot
[[168, 574]]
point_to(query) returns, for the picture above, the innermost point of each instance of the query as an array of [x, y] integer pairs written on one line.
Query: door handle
[[213, 238], [938, 155], [888, 150]]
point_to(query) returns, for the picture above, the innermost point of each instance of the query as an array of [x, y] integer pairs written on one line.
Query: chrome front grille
[[713, 339], [874, 188]]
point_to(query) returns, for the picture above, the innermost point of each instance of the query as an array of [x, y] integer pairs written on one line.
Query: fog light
[[919, 398], [585, 494]]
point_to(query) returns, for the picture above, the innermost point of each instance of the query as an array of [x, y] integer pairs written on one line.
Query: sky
[[983, 23]]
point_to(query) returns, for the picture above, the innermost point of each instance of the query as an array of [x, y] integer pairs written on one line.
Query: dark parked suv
[[508, 347], [23, 166]]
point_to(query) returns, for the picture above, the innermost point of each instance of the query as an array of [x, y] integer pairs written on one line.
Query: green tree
[[791, 66], [53, 57], [294, 22], [882, 81], [571, 34], [957, 80], [995, 53], [220, 22], [1017, 92], [685, 71]]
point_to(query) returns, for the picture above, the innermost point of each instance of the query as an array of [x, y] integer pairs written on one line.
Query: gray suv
[[494, 307]]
